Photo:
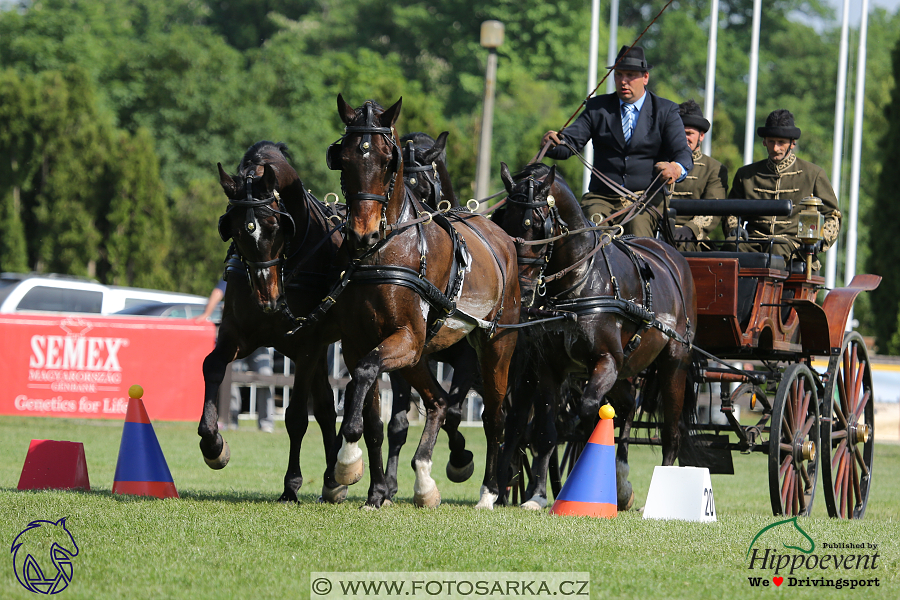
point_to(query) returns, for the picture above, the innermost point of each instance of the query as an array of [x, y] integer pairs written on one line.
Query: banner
[[81, 366]]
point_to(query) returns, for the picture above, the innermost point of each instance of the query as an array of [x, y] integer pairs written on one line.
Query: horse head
[[531, 216], [259, 225], [369, 159], [425, 168]]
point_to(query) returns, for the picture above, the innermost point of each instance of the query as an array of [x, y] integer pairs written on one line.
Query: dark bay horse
[[634, 307], [412, 284], [282, 246]]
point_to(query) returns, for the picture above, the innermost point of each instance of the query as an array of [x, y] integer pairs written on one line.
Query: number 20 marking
[[710, 510]]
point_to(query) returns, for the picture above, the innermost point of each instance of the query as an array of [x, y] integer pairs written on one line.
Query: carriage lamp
[[809, 229]]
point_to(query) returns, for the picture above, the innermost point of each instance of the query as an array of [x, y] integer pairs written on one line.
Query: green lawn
[[225, 537]]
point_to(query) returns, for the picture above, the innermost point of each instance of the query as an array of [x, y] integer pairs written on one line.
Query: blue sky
[[855, 6]]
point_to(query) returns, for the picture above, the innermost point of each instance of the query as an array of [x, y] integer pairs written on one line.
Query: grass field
[[226, 538]]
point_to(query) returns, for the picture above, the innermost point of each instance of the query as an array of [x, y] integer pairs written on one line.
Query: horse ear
[[389, 117], [506, 177], [441, 142], [549, 179], [227, 182], [345, 110], [437, 150]]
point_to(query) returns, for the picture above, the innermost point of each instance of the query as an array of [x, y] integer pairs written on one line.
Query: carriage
[[769, 337]]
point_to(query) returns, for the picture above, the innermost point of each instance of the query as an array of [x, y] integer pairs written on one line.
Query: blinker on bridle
[[365, 145]]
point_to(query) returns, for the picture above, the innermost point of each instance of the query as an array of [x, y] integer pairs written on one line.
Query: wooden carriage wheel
[[848, 430], [794, 446]]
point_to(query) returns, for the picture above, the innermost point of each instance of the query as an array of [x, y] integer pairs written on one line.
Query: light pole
[[491, 38]]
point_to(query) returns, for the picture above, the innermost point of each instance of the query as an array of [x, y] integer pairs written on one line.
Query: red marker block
[[54, 465]]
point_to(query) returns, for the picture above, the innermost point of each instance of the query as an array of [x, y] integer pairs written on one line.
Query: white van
[[63, 293]]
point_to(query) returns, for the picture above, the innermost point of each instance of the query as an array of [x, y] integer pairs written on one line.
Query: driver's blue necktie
[[627, 120]]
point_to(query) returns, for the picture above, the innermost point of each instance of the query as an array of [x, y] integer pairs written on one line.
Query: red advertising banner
[[82, 365]]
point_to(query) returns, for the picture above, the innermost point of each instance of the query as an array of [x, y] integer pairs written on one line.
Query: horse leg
[[214, 448], [326, 417], [624, 403], [425, 491], [397, 428], [373, 430], [495, 358], [673, 377], [396, 351], [465, 365], [544, 440]]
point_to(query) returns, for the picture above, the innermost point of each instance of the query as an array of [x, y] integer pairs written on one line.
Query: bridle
[[412, 168], [333, 156], [544, 218], [252, 205]]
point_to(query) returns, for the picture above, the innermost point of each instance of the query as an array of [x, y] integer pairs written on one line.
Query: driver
[[783, 176]]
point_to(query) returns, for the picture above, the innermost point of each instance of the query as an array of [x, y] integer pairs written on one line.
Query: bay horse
[[634, 307], [413, 283], [425, 174], [282, 246]]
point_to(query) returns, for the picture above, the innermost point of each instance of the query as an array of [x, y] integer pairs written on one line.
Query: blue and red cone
[[141, 469], [590, 489]]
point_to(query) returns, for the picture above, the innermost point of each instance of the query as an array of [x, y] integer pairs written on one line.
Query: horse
[[283, 243], [617, 308], [413, 282], [39, 548], [425, 173]]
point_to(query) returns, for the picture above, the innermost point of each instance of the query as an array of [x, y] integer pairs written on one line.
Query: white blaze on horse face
[[424, 483], [350, 453]]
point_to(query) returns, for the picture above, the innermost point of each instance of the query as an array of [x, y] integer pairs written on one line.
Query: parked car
[[175, 310], [64, 293]]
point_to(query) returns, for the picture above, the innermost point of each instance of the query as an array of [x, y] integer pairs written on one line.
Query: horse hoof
[[487, 500], [334, 495], [535, 503], [220, 461], [460, 474], [386, 503], [430, 499], [348, 474], [289, 498], [627, 504]]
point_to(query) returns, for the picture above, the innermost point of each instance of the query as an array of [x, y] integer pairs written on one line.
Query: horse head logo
[[802, 540], [38, 546]]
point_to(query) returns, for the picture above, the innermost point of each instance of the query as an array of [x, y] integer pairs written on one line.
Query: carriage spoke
[[860, 462], [855, 381], [785, 465], [799, 497], [842, 447], [801, 400], [845, 484], [862, 405], [786, 488], [803, 414], [855, 480], [807, 482], [839, 403]]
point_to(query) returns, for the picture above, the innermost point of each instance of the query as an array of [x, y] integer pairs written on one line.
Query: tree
[[884, 258]]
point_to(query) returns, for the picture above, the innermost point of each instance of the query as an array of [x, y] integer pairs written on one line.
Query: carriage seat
[[746, 260]]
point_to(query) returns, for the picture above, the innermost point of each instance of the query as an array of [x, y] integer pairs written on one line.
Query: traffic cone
[[54, 465], [141, 469], [590, 489]]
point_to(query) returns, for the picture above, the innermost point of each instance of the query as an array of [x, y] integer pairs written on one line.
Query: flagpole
[[749, 138], [592, 84], [837, 152], [708, 104], [850, 267]]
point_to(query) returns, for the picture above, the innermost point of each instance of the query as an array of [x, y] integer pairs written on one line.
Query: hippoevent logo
[[42, 556], [783, 553], [73, 362]]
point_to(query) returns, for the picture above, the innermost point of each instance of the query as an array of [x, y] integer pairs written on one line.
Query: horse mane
[[264, 152]]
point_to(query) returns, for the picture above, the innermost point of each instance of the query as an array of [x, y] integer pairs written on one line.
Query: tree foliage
[[114, 115]]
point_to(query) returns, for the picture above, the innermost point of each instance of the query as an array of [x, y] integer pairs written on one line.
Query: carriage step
[[707, 450]]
